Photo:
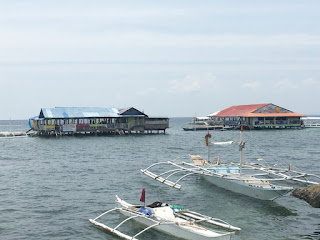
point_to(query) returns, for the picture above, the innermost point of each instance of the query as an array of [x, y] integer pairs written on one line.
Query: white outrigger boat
[[172, 220], [237, 177], [12, 134], [311, 122]]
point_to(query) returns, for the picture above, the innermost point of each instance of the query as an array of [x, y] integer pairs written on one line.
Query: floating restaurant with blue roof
[[95, 120]]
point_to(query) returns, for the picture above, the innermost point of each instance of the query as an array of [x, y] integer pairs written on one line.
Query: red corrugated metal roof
[[248, 111], [292, 114]]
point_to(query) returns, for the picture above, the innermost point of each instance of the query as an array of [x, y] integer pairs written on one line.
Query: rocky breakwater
[[310, 194]]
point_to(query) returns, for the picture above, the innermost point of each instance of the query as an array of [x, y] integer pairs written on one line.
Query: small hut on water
[[95, 120]]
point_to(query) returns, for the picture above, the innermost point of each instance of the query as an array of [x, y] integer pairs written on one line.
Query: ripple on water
[[51, 187]]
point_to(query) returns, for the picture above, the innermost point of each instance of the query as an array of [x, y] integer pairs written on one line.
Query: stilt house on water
[[257, 116], [95, 120]]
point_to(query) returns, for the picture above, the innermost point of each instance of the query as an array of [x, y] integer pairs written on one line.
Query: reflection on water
[[316, 234], [245, 202]]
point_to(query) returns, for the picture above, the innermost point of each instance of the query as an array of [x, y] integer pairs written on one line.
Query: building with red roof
[[257, 116]]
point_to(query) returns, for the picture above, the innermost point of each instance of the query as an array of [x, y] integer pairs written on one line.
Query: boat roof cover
[[201, 118], [310, 118], [85, 112], [213, 114]]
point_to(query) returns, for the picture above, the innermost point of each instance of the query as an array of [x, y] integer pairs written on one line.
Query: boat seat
[[258, 182], [197, 160]]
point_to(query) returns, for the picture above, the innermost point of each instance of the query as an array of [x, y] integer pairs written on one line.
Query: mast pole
[[207, 143], [241, 130], [208, 153]]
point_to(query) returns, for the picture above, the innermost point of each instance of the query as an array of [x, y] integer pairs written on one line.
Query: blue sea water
[[50, 187]]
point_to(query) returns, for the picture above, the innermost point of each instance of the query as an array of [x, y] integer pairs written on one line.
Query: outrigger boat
[[311, 122], [201, 123], [172, 220], [237, 177], [12, 134]]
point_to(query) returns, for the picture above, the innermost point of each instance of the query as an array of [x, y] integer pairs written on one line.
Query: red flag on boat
[[143, 195], [207, 138], [208, 134]]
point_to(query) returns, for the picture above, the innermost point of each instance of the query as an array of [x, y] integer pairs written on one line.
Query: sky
[[166, 58]]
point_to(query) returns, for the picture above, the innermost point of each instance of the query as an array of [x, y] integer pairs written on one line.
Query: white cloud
[[251, 84], [66, 38], [192, 83], [146, 91], [184, 86], [285, 84], [106, 10], [310, 82], [290, 84], [67, 42]]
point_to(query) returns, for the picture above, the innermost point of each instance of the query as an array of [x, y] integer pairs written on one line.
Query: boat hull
[[312, 126], [246, 189], [176, 230], [202, 128]]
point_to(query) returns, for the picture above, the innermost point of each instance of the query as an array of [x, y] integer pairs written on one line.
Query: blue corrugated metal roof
[[79, 112]]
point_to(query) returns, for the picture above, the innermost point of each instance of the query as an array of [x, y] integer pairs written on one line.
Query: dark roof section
[[131, 111]]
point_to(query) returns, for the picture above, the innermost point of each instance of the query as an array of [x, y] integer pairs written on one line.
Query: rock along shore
[[310, 194]]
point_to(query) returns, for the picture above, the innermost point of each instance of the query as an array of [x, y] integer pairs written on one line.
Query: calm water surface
[[50, 187]]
